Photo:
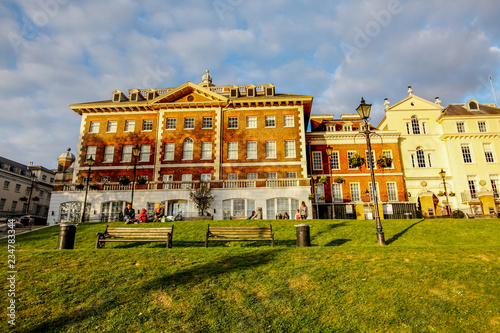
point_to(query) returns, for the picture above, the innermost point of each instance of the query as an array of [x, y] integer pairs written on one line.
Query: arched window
[[473, 105], [187, 152], [415, 125]]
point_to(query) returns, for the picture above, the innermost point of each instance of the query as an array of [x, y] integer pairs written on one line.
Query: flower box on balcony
[[124, 181], [339, 180]]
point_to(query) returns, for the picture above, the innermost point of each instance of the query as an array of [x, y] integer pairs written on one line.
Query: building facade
[[461, 139], [347, 185], [247, 142], [25, 190]]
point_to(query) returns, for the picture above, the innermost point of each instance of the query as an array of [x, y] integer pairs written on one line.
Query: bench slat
[[132, 240], [135, 235], [239, 234], [139, 229]]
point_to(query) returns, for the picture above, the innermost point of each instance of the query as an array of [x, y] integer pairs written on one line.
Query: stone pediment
[[189, 93], [413, 102]]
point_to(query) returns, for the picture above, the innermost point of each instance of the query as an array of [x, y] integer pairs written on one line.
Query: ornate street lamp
[[33, 179], [442, 173], [90, 162], [364, 111], [136, 151], [329, 151]]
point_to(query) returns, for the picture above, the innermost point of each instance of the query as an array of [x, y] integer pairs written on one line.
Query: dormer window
[[251, 92], [347, 128], [234, 92], [270, 90], [330, 128], [135, 95], [473, 105], [118, 96], [152, 94]]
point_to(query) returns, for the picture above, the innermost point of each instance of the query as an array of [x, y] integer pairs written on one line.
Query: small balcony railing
[[188, 185]]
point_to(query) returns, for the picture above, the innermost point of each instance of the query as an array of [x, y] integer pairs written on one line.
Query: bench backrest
[[241, 232], [138, 232]]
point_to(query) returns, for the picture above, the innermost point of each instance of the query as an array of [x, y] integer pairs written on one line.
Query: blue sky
[[59, 52]]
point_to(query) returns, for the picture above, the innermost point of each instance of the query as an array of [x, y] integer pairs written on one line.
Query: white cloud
[[81, 51]]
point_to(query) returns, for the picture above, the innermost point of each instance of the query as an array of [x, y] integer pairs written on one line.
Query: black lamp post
[[442, 173], [33, 179], [136, 151], [90, 162], [329, 151], [364, 111]]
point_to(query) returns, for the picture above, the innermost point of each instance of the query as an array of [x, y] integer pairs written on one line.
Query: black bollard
[[66, 237], [303, 236]]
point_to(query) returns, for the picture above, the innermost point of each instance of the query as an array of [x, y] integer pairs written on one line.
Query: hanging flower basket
[[384, 161], [311, 197], [36, 199], [440, 194], [94, 187], [451, 194], [80, 186], [23, 198], [142, 181], [339, 180], [356, 160], [322, 197], [125, 181], [322, 180]]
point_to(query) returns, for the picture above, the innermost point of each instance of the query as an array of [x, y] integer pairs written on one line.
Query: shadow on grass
[[189, 276], [337, 242], [399, 234]]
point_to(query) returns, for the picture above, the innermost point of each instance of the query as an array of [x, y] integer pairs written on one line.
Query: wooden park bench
[[134, 235], [239, 234]]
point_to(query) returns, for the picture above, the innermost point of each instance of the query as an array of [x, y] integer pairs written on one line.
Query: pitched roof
[[461, 110]]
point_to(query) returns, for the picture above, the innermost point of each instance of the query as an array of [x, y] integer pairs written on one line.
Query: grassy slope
[[435, 275]]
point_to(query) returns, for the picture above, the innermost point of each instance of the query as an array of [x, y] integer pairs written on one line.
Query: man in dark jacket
[[129, 214]]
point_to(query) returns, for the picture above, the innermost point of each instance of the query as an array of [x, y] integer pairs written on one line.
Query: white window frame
[[317, 160], [251, 150], [392, 193], [187, 149], [91, 151], [109, 154], [94, 126], [206, 177], [171, 124], [189, 121], [355, 192], [126, 153], [290, 150], [371, 191], [206, 150], [129, 126], [186, 177], [112, 126], [415, 125], [338, 196], [232, 122], [271, 150], [482, 126], [251, 121], [289, 120], [270, 121], [461, 127], [232, 176], [208, 122], [335, 160], [388, 153], [347, 128], [466, 148], [373, 161], [146, 123], [489, 154], [169, 151], [145, 155], [232, 150]]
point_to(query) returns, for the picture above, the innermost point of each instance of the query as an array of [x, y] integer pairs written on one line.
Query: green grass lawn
[[434, 276]]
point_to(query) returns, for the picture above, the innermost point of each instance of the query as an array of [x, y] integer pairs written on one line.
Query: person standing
[[303, 211]]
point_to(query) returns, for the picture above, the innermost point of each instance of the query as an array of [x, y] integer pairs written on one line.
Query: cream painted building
[[472, 139], [464, 142]]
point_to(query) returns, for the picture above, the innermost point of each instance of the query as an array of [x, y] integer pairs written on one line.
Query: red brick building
[[354, 183], [247, 141]]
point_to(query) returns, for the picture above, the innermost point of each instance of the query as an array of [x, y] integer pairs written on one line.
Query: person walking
[[303, 211]]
